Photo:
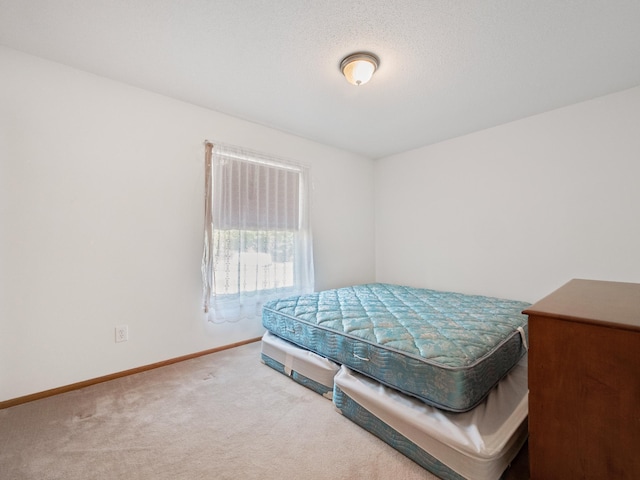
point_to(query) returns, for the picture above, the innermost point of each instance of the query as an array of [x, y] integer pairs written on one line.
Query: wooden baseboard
[[87, 383]]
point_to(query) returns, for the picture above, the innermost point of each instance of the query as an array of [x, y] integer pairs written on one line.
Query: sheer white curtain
[[257, 243]]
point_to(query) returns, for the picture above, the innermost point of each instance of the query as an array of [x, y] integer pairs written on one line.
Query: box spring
[[305, 367], [478, 444]]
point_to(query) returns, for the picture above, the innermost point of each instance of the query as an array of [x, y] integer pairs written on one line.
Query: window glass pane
[[252, 260]]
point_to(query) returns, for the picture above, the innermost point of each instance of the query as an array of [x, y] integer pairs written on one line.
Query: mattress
[[478, 444], [305, 367], [445, 348]]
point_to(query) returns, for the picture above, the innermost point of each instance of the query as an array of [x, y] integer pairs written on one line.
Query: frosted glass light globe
[[359, 68]]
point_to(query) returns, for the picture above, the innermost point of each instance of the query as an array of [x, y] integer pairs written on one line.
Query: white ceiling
[[447, 68]]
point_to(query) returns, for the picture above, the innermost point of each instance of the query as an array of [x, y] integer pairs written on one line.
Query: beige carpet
[[221, 416]]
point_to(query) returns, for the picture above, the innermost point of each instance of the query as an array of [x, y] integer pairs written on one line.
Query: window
[[257, 234]]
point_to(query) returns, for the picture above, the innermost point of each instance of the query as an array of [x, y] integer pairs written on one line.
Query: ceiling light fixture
[[358, 67]]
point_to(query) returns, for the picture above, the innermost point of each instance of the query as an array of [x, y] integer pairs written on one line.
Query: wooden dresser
[[584, 382]]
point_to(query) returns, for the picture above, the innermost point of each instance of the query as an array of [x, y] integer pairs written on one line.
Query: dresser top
[[615, 304]]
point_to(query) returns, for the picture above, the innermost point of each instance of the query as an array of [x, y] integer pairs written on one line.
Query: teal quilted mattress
[[447, 349]]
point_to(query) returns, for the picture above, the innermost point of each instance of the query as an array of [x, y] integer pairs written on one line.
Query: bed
[[446, 349]]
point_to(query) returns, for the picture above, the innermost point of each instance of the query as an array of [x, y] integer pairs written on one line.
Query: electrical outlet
[[122, 333]]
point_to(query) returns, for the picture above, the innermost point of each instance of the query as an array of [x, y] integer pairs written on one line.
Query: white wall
[[517, 210], [101, 193]]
